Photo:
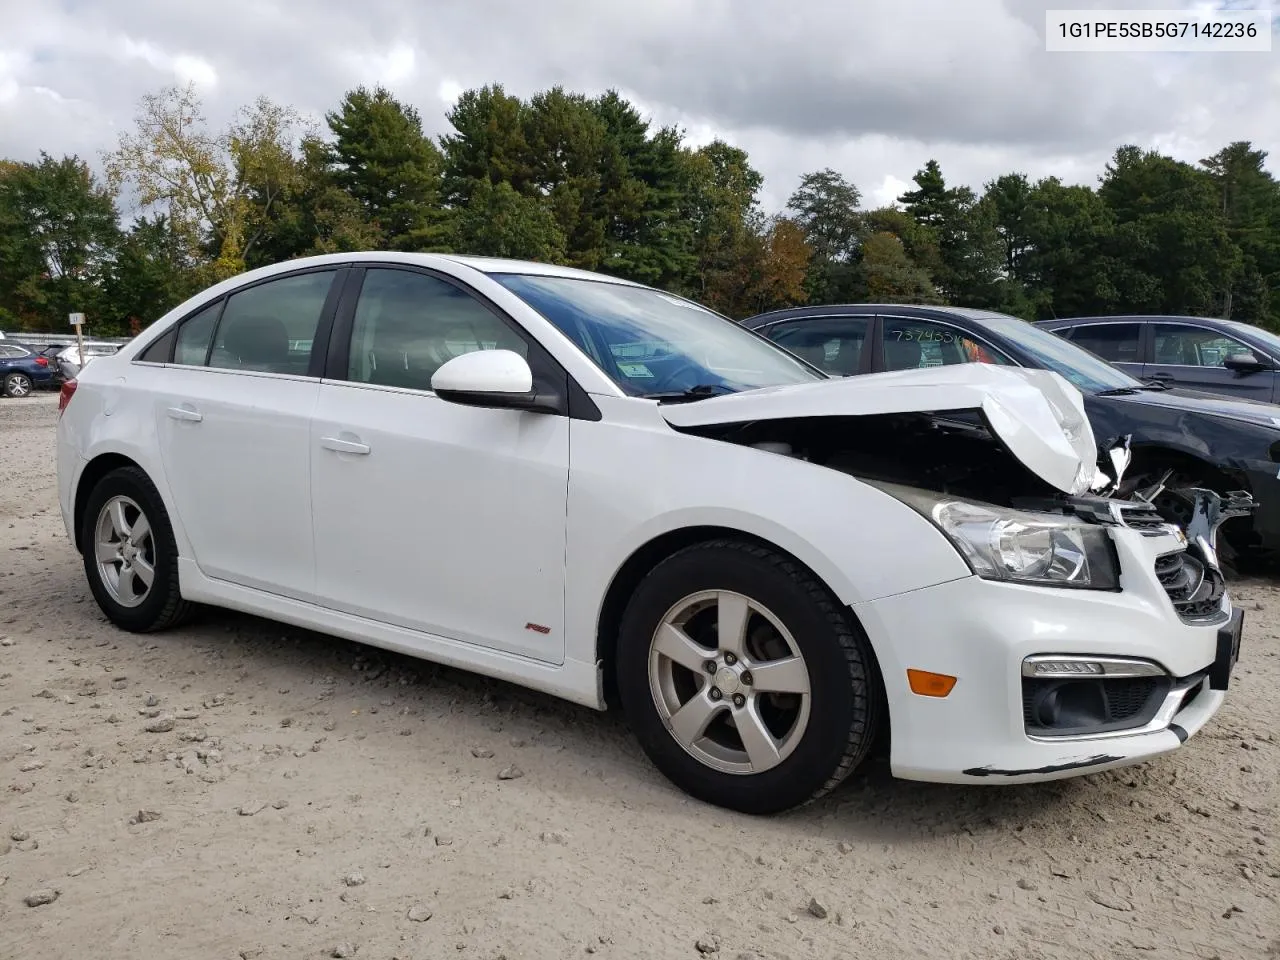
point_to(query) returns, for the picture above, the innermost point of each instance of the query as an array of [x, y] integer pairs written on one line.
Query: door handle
[[184, 413], [344, 446]]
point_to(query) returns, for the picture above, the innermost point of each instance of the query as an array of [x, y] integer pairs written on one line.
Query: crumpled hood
[[1037, 414]]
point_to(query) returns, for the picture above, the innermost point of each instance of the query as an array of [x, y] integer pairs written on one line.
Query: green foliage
[[588, 181], [58, 236], [381, 159]]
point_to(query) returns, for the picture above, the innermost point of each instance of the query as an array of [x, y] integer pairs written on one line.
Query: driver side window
[[1194, 346], [407, 325], [910, 344]]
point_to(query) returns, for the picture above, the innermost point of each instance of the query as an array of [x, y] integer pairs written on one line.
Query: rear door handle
[[344, 446], [185, 413]]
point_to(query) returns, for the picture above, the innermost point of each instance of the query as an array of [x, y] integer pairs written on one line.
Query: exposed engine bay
[[956, 453]]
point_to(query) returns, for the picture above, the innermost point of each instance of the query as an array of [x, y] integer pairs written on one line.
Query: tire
[[820, 736], [17, 385], [126, 599]]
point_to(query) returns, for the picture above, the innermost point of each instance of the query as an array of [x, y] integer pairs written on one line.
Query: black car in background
[[1196, 353], [1178, 441]]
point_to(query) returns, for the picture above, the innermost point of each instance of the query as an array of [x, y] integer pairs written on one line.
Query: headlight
[[1021, 547]]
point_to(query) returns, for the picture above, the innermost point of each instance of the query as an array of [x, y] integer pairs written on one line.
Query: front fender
[[862, 543]]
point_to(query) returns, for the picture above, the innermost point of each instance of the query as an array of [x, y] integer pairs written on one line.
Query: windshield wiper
[[1118, 392], [697, 392], [1154, 385]]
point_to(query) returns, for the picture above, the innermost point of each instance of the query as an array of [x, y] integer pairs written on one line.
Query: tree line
[[590, 182]]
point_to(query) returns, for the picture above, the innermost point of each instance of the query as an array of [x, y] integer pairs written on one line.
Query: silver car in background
[[69, 360]]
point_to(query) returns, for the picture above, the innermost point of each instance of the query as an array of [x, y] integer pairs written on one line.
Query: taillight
[[64, 395], [42, 361]]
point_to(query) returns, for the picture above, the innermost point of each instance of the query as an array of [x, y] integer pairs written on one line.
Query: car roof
[[858, 309], [1125, 318], [487, 265]]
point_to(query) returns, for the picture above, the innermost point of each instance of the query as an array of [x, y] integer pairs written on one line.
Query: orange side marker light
[[928, 684]]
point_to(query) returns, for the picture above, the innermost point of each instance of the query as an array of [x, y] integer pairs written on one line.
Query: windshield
[[1265, 337], [651, 343], [1088, 372]]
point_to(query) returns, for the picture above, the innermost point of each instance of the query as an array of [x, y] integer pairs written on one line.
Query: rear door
[[233, 416], [1192, 356]]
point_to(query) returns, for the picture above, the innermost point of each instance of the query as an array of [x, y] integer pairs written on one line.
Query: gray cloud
[[873, 88]]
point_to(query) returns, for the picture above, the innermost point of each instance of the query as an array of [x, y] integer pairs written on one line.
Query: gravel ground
[[239, 789]]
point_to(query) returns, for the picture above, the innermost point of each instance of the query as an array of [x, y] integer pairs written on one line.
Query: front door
[[233, 417], [1184, 355], [441, 518]]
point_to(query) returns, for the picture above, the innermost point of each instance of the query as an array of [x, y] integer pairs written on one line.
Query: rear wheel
[[745, 681], [130, 555], [17, 385]]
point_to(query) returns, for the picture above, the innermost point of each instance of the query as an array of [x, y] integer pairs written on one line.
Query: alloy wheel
[[729, 682], [125, 550]]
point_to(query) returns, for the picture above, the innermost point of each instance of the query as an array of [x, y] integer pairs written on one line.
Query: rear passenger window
[[271, 327], [161, 349], [194, 336], [407, 325], [1113, 342]]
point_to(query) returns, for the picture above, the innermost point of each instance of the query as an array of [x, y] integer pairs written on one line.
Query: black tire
[[845, 699], [162, 606], [17, 385]]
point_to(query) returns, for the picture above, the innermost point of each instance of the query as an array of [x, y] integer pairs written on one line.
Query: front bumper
[[981, 632]]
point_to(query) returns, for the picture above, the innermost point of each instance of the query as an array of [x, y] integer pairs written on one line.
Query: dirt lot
[[302, 796]]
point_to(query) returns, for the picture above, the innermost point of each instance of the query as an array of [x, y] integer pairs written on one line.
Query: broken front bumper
[[982, 633]]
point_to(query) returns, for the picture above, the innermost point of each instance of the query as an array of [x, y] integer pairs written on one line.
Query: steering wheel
[[670, 380]]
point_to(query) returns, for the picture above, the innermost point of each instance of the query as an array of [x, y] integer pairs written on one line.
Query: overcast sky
[[872, 88]]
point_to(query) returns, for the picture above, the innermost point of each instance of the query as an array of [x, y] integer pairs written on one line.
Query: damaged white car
[[611, 494]]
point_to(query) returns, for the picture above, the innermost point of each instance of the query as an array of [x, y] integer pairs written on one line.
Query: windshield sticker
[[635, 370]]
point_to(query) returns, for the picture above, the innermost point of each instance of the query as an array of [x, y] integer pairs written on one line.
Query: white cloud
[[182, 67], [448, 92], [887, 194]]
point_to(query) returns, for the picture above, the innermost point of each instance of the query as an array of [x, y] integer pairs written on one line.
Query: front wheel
[[745, 681], [130, 555], [17, 385]]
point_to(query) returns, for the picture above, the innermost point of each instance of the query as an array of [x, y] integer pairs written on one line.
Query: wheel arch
[[93, 471], [1156, 453], [647, 556]]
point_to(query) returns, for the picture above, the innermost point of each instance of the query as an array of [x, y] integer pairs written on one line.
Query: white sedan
[[609, 493]]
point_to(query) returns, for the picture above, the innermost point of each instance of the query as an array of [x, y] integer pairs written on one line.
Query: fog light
[[1067, 668]]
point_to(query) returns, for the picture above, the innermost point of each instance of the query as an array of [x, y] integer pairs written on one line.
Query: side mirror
[[1244, 363], [492, 378]]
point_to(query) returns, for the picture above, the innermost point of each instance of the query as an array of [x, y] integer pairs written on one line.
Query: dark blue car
[[1180, 440], [1195, 353], [22, 370]]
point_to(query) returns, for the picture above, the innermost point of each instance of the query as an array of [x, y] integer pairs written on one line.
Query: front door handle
[[344, 446], [189, 414]]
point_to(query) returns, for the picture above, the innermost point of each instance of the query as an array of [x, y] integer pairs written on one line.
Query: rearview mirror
[[492, 378], [1244, 363]]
